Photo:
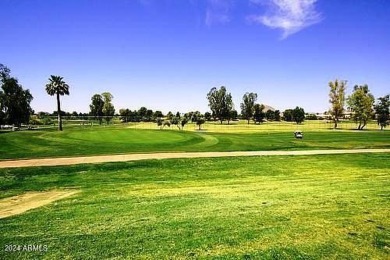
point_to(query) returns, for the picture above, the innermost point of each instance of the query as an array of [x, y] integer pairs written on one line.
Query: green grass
[[279, 126], [78, 141], [304, 207], [234, 126]]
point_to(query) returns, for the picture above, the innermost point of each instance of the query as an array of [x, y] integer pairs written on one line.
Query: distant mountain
[[267, 107]]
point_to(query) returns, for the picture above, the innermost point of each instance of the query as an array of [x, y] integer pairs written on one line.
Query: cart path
[[148, 156]]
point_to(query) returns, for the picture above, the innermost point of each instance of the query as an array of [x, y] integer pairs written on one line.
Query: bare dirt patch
[[21, 203]]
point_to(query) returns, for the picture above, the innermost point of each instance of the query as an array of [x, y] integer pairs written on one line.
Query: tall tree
[[149, 115], [247, 105], [108, 107], [258, 115], [361, 102], [270, 115], [277, 115], [15, 102], [96, 107], [382, 111], [195, 116], [232, 115], [159, 122], [298, 115], [2, 114], [169, 115], [207, 116], [220, 103], [337, 99], [57, 86], [176, 121], [4, 74], [200, 121], [157, 114], [125, 115], [188, 115], [287, 115], [142, 113], [183, 122]]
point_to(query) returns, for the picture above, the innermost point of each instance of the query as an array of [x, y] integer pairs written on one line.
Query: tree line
[[360, 104], [222, 108], [15, 106]]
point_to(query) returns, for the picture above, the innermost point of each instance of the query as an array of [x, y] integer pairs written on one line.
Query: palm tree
[[57, 86]]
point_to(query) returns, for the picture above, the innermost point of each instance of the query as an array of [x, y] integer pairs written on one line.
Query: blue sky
[[167, 54]]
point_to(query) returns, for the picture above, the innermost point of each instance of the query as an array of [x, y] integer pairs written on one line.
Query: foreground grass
[[307, 207], [116, 140]]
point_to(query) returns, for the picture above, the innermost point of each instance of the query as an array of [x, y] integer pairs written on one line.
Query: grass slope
[[116, 140], [307, 207]]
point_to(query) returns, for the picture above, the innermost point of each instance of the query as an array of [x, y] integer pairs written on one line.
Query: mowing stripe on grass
[[149, 156]]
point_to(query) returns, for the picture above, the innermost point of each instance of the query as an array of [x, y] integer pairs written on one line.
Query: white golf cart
[[298, 134]]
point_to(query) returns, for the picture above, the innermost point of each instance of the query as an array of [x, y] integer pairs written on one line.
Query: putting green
[[129, 136]]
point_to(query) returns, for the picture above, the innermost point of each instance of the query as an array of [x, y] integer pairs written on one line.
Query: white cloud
[[290, 16], [218, 11]]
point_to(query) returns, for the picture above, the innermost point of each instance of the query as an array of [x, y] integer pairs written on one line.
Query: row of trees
[[148, 115], [143, 114], [15, 101], [221, 104], [296, 115], [222, 108], [15, 106], [102, 107], [360, 104]]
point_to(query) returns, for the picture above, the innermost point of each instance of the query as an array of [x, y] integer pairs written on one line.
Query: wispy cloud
[[218, 12], [290, 16]]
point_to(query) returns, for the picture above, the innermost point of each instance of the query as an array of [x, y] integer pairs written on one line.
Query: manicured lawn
[[278, 126], [300, 207], [78, 141]]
